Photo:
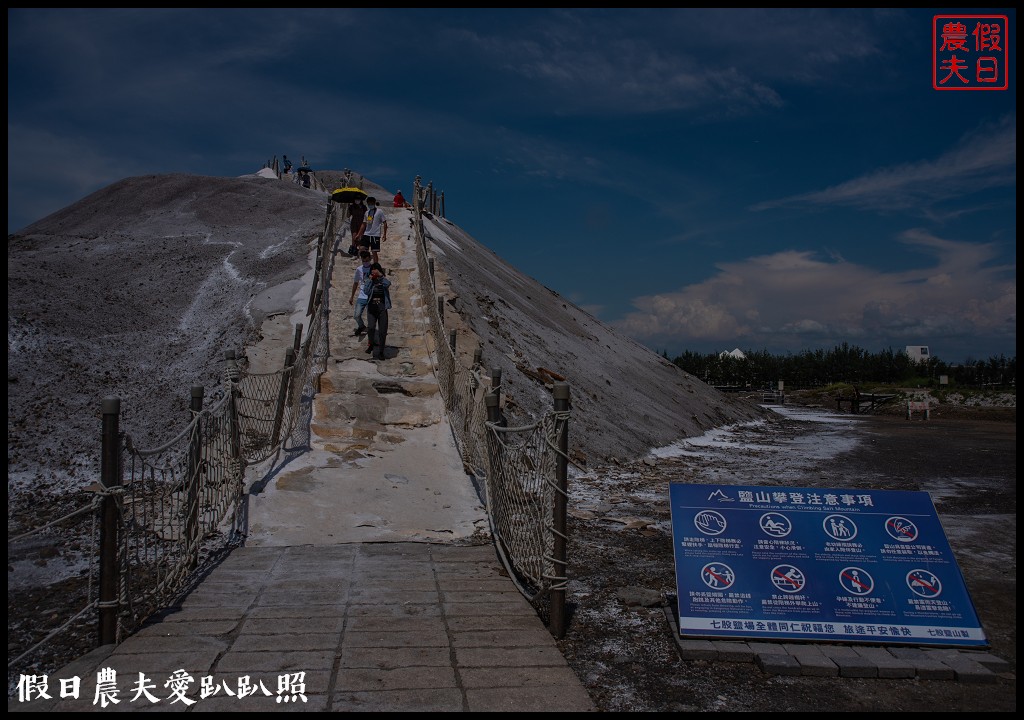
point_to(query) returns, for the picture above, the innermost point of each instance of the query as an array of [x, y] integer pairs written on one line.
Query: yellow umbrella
[[348, 194]]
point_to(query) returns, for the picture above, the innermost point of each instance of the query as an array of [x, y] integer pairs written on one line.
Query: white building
[[918, 353]]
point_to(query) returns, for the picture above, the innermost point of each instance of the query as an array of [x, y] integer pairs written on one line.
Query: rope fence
[[159, 515], [524, 468]]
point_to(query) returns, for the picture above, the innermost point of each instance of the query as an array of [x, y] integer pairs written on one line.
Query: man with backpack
[[376, 288]]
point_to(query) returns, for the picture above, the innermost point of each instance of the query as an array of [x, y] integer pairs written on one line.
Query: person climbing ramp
[[376, 287], [374, 228]]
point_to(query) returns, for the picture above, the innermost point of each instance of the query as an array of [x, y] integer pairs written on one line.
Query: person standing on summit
[[374, 229]]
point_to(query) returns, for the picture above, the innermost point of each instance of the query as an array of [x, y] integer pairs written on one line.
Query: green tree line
[[843, 364]]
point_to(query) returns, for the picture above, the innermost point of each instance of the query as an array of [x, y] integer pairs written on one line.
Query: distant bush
[[846, 364]]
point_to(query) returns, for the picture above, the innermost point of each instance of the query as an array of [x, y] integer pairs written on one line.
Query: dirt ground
[[624, 652]]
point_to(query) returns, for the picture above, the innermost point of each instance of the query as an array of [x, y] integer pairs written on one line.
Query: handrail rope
[[189, 429], [509, 567], [558, 415], [89, 585], [91, 606], [85, 508], [560, 582], [515, 429]]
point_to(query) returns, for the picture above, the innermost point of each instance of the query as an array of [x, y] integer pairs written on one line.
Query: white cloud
[[983, 159], [753, 303], [658, 60]]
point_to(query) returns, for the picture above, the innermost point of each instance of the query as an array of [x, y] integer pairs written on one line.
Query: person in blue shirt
[[359, 304]]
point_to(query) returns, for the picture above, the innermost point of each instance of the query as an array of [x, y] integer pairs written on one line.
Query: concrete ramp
[[384, 466]]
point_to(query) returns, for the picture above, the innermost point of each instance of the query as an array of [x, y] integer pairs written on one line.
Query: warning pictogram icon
[[775, 524], [717, 576], [788, 578], [901, 529], [924, 583], [710, 522], [856, 581], [840, 527]]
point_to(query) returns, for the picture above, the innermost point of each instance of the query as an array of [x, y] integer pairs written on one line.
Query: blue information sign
[[845, 565]]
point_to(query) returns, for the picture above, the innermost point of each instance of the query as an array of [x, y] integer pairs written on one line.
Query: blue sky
[[779, 180]]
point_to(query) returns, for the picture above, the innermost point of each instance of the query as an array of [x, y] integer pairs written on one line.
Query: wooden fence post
[[316, 281], [192, 481], [493, 402], [282, 396], [495, 393], [232, 375], [561, 396], [110, 476]]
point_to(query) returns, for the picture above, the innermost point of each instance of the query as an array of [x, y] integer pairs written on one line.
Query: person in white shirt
[[375, 228]]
